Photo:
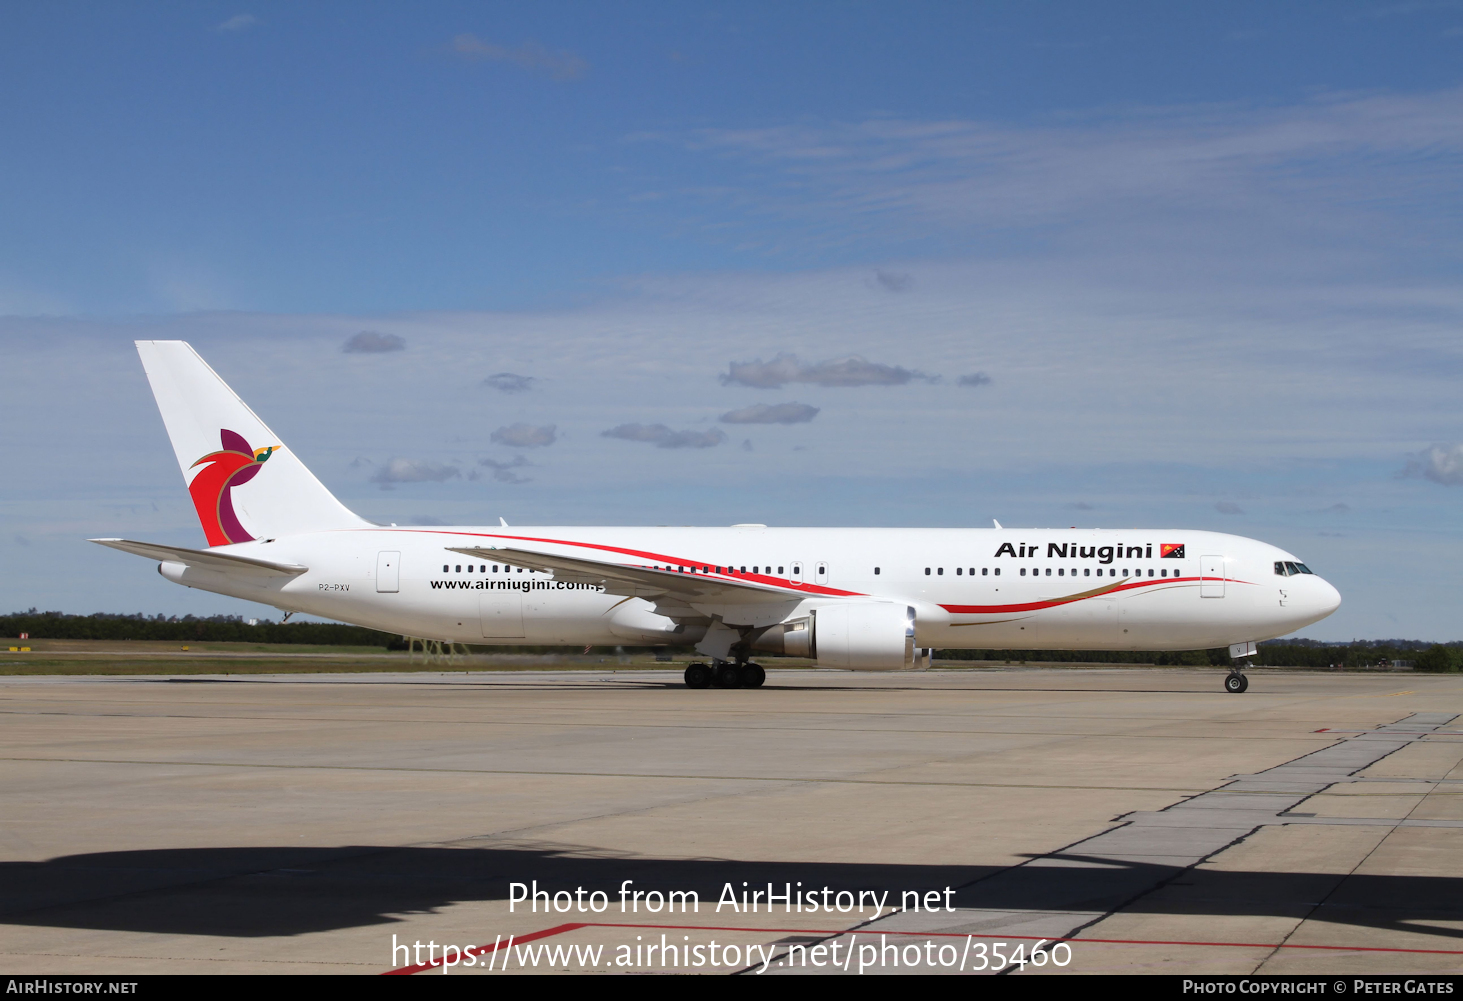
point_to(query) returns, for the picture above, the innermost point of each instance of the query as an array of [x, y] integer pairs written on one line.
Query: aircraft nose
[[1329, 599]]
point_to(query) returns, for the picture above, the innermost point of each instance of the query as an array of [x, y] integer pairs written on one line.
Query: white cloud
[[785, 368], [522, 435], [398, 470], [507, 382], [560, 65], [503, 472], [894, 281], [368, 342], [239, 22], [776, 413], [663, 437], [1442, 463], [1175, 183]]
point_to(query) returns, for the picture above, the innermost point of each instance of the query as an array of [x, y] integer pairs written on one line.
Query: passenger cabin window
[[940, 571], [1023, 571], [983, 571], [459, 568], [444, 568], [927, 571], [876, 571]]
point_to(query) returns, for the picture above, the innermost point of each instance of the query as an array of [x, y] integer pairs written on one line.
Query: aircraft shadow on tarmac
[[275, 891]]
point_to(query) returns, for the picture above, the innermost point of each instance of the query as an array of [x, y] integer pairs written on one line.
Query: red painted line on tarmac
[[575, 926]]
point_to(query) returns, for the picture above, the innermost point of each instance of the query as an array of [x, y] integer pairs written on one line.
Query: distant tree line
[[235, 629], [1273, 653], [1362, 653], [214, 629], [1188, 658]]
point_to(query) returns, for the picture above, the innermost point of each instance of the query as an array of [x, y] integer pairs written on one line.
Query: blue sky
[[1119, 264]]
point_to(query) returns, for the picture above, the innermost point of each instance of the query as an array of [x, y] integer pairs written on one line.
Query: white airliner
[[857, 598]]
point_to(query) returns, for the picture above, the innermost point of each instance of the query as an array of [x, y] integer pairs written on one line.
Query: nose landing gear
[[1239, 653]]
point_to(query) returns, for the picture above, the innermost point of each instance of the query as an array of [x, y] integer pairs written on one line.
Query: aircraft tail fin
[[244, 483]]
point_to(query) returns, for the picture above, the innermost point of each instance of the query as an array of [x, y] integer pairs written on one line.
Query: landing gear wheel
[[753, 675], [1236, 683], [698, 676], [728, 676]]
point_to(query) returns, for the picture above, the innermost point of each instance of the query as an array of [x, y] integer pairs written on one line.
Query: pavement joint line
[[711, 710], [608, 775], [1066, 735], [1134, 841], [1360, 863]]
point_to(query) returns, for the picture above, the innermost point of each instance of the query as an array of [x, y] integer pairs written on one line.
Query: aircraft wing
[[204, 559], [638, 581]]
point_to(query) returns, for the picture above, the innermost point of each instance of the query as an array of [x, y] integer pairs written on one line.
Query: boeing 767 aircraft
[[857, 598]]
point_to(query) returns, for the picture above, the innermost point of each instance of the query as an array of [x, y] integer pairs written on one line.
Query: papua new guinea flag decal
[[1171, 550], [232, 466]]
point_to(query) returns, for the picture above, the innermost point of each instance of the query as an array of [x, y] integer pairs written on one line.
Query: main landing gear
[[724, 674], [1235, 682]]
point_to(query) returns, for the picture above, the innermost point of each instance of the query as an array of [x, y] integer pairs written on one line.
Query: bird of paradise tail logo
[[232, 466]]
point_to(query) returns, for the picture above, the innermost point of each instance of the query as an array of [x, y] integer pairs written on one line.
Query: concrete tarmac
[[920, 823]]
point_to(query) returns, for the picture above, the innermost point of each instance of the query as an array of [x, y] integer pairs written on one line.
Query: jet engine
[[854, 635]]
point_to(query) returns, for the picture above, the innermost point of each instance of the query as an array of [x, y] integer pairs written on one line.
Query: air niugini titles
[[1103, 554]]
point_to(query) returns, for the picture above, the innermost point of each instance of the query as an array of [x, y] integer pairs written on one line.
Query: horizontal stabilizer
[[639, 582], [205, 559]]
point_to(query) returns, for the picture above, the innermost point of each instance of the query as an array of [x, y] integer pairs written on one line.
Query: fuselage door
[[501, 613], [820, 573], [388, 573], [795, 572], [1211, 576]]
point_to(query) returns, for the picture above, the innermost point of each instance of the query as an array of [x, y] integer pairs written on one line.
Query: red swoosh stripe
[[663, 559], [1036, 606]]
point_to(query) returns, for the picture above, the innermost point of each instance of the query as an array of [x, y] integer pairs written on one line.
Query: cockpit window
[[1303, 568], [1289, 569], [1280, 570]]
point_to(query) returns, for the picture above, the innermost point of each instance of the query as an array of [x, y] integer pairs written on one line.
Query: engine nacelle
[[854, 635]]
